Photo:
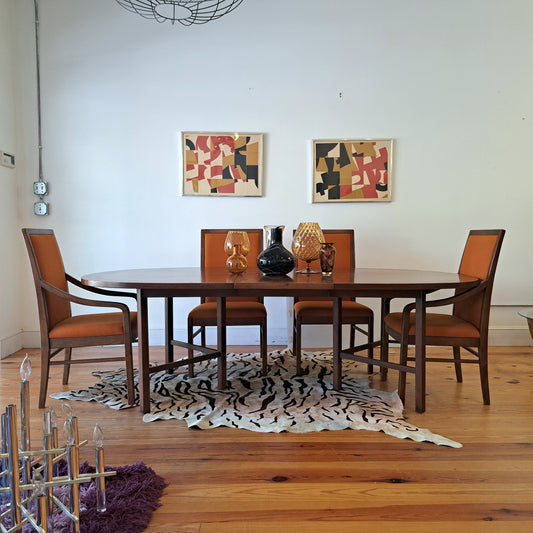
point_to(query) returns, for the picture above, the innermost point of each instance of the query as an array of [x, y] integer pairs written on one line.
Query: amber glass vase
[[306, 244], [237, 237], [236, 262]]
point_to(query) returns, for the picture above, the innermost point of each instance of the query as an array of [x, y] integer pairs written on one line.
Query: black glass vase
[[275, 259]]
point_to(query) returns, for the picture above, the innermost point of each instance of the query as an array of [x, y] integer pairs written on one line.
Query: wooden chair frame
[[299, 321], [242, 321], [477, 347], [50, 347]]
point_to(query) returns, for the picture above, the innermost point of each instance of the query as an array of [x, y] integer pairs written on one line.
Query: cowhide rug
[[279, 401]]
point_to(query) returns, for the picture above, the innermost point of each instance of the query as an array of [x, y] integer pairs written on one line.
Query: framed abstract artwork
[[222, 164], [353, 170]]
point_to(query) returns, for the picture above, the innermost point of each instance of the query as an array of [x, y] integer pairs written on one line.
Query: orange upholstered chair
[[467, 325], [62, 331], [320, 310], [243, 311]]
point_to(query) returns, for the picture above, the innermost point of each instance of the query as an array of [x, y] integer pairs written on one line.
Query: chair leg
[[484, 373], [352, 336], [370, 340], [45, 368], [263, 348], [190, 351], [384, 355], [297, 345], [402, 377], [66, 368], [384, 336], [457, 363], [129, 373]]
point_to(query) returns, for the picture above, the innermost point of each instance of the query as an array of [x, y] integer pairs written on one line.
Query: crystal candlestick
[[98, 437]]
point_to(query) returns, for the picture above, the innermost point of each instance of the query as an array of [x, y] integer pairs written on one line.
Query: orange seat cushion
[[437, 325], [97, 325], [234, 311], [324, 309]]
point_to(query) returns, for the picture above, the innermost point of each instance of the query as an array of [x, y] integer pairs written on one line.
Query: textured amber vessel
[[236, 262], [327, 258], [306, 244], [237, 237]]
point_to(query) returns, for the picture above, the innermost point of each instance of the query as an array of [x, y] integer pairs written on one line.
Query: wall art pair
[[230, 164]]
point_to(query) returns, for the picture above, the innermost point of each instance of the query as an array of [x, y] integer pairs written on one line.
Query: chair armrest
[[451, 299], [83, 301], [96, 290], [439, 303]]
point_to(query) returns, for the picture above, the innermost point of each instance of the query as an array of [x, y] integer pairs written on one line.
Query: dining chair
[[467, 325], [59, 329], [320, 310], [240, 311]]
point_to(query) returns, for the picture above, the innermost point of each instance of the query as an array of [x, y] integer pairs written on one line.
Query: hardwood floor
[[225, 480]]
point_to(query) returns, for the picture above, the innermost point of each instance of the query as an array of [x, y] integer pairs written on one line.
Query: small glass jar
[[327, 257]]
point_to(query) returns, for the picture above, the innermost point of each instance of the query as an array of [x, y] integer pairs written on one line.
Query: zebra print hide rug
[[279, 401]]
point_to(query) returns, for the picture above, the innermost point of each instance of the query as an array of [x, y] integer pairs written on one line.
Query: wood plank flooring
[[226, 480]]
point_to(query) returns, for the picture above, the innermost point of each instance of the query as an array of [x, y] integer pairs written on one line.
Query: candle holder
[[27, 476]]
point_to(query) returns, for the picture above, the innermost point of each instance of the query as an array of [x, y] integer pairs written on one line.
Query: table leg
[[420, 353], [384, 349], [169, 329], [337, 343], [144, 355], [221, 341]]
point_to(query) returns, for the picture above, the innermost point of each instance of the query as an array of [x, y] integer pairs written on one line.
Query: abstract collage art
[[222, 164], [352, 170]]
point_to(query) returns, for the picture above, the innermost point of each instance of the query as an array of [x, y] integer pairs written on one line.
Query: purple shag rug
[[132, 495]]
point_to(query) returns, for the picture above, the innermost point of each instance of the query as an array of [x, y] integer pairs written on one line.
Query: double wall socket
[[7, 160]]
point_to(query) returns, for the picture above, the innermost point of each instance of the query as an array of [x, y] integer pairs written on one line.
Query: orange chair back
[[213, 254], [46, 263], [344, 242], [479, 260]]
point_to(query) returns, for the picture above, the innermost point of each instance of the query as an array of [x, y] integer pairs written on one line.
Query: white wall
[[449, 81], [10, 256]]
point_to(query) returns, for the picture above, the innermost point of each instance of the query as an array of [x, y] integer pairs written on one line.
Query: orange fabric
[[97, 325], [477, 255], [215, 256], [344, 256], [324, 309], [234, 310], [52, 270], [476, 261], [437, 325]]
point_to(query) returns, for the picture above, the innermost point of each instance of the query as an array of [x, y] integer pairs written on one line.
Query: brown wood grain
[[225, 480]]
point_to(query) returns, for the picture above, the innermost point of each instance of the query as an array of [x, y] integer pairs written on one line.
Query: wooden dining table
[[180, 282]]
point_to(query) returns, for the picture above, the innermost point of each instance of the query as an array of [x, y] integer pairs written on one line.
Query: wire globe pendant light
[[186, 12]]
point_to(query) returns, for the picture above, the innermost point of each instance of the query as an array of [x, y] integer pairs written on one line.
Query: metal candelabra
[[27, 476]]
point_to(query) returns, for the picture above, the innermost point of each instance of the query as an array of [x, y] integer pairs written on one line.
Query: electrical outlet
[[7, 160]]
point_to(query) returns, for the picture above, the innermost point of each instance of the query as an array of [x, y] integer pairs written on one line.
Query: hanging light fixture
[[186, 12]]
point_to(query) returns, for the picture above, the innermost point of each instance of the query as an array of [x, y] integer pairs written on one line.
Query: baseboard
[[236, 336], [311, 337], [11, 344]]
